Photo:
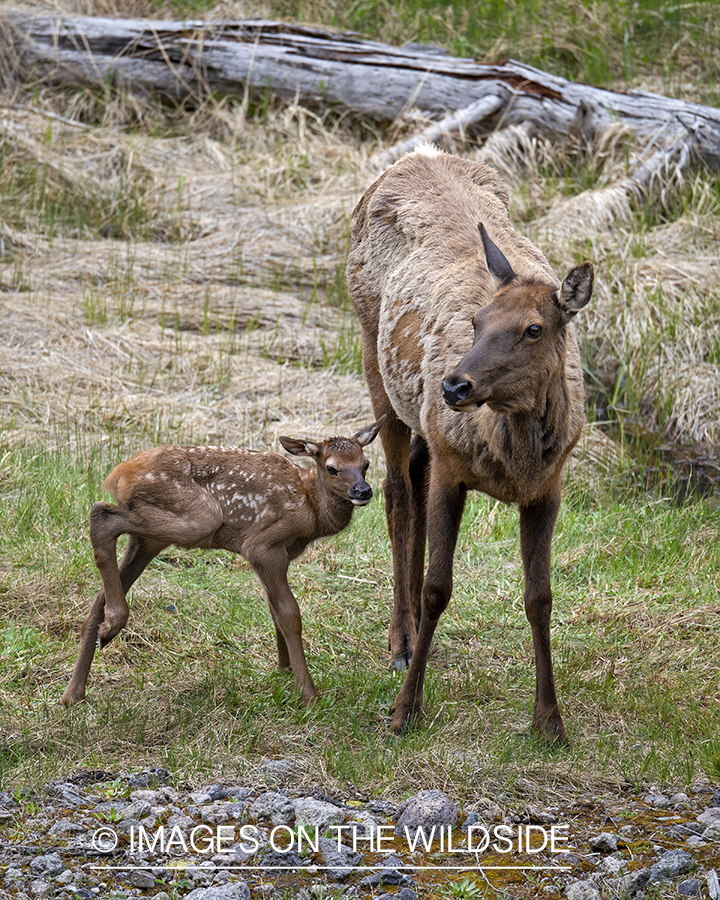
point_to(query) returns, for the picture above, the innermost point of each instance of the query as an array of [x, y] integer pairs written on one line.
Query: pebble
[[670, 865], [689, 888], [582, 890], [426, 810], [604, 843]]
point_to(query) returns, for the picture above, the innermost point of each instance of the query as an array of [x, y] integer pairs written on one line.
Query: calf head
[[341, 463], [519, 341]]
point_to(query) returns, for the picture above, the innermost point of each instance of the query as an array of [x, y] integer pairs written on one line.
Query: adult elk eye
[[534, 331], [332, 470]]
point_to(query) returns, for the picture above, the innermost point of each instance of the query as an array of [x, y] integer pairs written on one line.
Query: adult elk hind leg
[[537, 522]]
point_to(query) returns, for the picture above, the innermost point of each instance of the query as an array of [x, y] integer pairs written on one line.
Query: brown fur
[[259, 505], [450, 352]]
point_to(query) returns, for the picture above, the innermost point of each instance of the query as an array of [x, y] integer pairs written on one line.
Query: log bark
[[316, 67]]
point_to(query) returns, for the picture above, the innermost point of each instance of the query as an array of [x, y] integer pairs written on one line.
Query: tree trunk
[[320, 68]]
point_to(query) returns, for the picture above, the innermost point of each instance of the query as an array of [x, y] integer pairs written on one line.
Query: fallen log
[[316, 67]]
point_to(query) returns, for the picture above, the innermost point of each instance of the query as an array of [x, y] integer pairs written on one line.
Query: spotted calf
[[259, 505]]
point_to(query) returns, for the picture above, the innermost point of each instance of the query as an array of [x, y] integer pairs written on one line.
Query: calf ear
[[495, 259], [299, 447], [576, 290], [368, 434]]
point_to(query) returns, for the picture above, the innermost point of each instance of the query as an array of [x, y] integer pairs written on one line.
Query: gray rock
[[604, 842], [65, 826], [363, 824], [40, 888], [66, 877], [318, 813], [342, 858], [695, 841], [680, 799], [66, 792], [659, 801], [709, 816], [387, 878], [275, 807], [712, 832], [138, 809], [273, 859], [49, 864], [222, 811], [634, 882], [611, 866], [426, 810], [279, 770], [670, 865], [582, 890], [715, 799], [234, 890], [384, 808], [149, 778], [689, 887], [402, 894], [142, 879]]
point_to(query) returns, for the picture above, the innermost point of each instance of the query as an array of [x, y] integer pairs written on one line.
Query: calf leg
[[288, 624], [445, 508], [138, 555], [537, 523]]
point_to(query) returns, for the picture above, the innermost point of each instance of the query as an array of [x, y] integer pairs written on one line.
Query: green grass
[[191, 684]]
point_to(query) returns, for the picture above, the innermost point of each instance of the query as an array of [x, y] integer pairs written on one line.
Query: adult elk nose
[[455, 389], [361, 493]]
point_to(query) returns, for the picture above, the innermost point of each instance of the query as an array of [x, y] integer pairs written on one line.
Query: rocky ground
[[134, 835]]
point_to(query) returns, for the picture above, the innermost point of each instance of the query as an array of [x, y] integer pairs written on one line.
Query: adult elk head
[[519, 338]]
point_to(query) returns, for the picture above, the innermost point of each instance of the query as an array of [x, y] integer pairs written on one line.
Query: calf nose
[[455, 389], [361, 493]]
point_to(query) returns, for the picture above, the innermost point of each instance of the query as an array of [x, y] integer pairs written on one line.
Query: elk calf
[[467, 342], [259, 505]]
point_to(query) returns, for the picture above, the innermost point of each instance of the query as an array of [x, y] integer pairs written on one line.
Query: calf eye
[[534, 331], [332, 470]]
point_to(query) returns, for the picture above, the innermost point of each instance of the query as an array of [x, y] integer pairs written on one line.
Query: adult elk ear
[[496, 262], [368, 434], [576, 290], [299, 447]]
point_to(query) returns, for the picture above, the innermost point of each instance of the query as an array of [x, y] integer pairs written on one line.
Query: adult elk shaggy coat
[[467, 344]]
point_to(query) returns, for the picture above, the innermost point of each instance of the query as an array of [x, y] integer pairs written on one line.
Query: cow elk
[[469, 352], [259, 505]]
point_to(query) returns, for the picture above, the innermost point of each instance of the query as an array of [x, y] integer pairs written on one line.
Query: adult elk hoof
[[70, 698], [402, 719], [400, 663], [551, 730]]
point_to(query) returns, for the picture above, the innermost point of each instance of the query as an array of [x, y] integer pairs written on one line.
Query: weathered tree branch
[[370, 78]]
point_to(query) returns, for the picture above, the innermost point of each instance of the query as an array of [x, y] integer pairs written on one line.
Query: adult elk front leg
[[445, 508], [537, 523], [403, 622]]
